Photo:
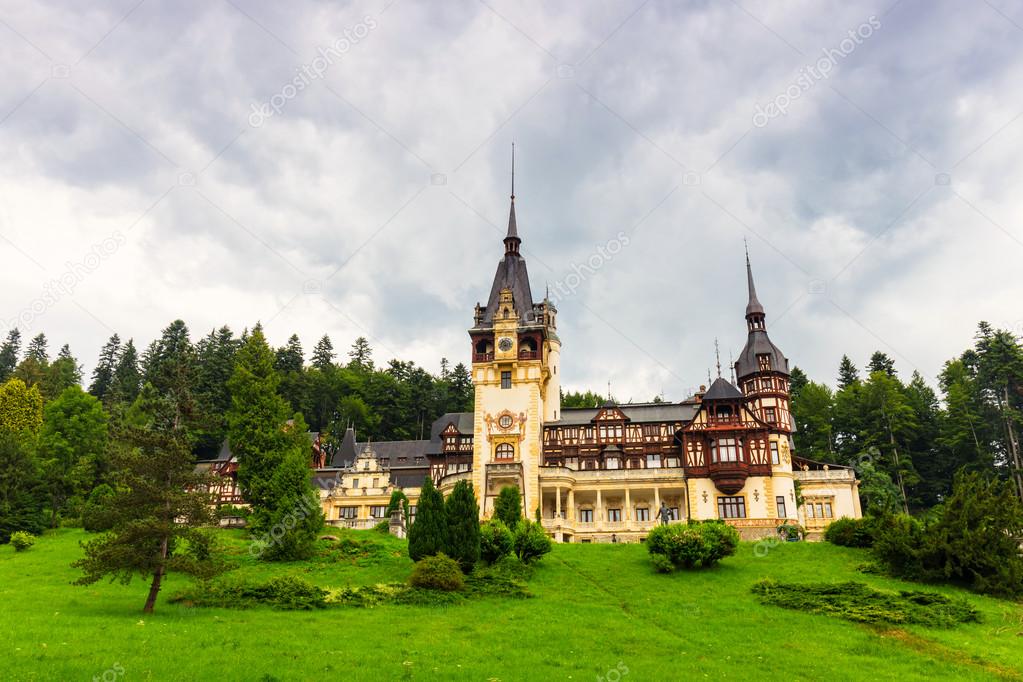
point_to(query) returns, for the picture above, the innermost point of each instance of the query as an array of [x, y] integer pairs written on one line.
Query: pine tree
[[158, 510], [37, 349], [361, 355], [273, 457], [428, 534], [170, 366], [10, 351], [508, 507], [63, 372], [290, 358], [127, 380], [880, 362], [323, 354], [797, 380], [847, 373], [462, 513], [103, 374], [812, 412], [999, 360], [214, 364]]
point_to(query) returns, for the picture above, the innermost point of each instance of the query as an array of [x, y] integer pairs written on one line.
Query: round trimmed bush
[[22, 540], [438, 572], [694, 545], [496, 541]]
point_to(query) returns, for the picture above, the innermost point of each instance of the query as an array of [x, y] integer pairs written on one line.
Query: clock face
[[505, 344], [505, 421]]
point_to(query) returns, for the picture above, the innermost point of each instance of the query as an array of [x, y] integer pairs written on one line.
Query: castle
[[592, 474]]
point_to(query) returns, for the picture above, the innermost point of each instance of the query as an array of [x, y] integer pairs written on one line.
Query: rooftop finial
[[753, 307], [513, 172], [717, 354]]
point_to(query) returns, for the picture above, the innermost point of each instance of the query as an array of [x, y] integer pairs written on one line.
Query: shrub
[[791, 532], [438, 572], [695, 545], [496, 541], [508, 507], [973, 539], [847, 532], [283, 592], [428, 534], [505, 578], [662, 564], [22, 540], [463, 518], [383, 527], [863, 604], [531, 542], [395, 503]]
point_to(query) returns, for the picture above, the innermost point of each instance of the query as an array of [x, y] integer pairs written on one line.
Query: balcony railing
[[825, 475], [528, 355], [482, 357]]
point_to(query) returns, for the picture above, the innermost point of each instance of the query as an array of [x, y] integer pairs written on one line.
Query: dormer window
[[764, 362]]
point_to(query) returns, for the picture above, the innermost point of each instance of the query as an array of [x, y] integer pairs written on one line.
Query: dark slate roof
[[463, 421], [637, 413], [346, 453], [393, 449], [409, 478], [722, 389], [759, 343], [511, 274]]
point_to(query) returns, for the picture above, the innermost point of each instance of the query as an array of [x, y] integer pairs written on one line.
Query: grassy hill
[[596, 609]]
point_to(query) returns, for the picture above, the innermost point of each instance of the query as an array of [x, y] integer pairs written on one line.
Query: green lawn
[[597, 608]]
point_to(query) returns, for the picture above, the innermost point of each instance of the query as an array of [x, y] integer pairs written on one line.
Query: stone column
[[599, 512], [571, 505], [628, 506], [557, 502]]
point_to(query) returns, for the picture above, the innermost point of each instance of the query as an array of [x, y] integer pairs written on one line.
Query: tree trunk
[[1016, 466], [154, 587]]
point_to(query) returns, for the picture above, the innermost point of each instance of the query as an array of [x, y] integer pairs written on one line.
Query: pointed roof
[[511, 273], [758, 343], [346, 452], [722, 389], [753, 307]]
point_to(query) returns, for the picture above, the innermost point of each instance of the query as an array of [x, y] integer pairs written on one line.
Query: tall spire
[[511, 240], [753, 307], [717, 355]]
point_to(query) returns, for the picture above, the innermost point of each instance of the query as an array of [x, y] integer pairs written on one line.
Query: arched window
[[505, 451]]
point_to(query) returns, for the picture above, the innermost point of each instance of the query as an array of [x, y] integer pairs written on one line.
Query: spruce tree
[[37, 349], [880, 362], [847, 373], [428, 534], [290, 358], [463, 519], [508, 507], [361, 355], [127, 380], [273, 457], [323, 354], [103, 374], [10, 351]]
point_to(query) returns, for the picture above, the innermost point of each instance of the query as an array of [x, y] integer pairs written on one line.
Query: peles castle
[[724, 453]]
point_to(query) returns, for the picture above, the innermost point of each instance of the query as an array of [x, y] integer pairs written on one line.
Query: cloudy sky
[[343, 168]]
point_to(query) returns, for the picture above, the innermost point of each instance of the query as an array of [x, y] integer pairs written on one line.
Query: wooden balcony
[[529, 355], [482, 357]]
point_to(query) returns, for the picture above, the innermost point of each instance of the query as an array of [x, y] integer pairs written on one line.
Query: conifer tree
[[847, 373], [273, 457], [290, 358], [462, 513], [37, 349], [880, 362], [10, 351], [508, 507], [127, 380], [103, 374], [157, 511], [323, 354], [62, 373], [428, 534], [360, 357]]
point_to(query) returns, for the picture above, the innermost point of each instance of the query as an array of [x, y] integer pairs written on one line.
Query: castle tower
[[515, 358], [762, 372]]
